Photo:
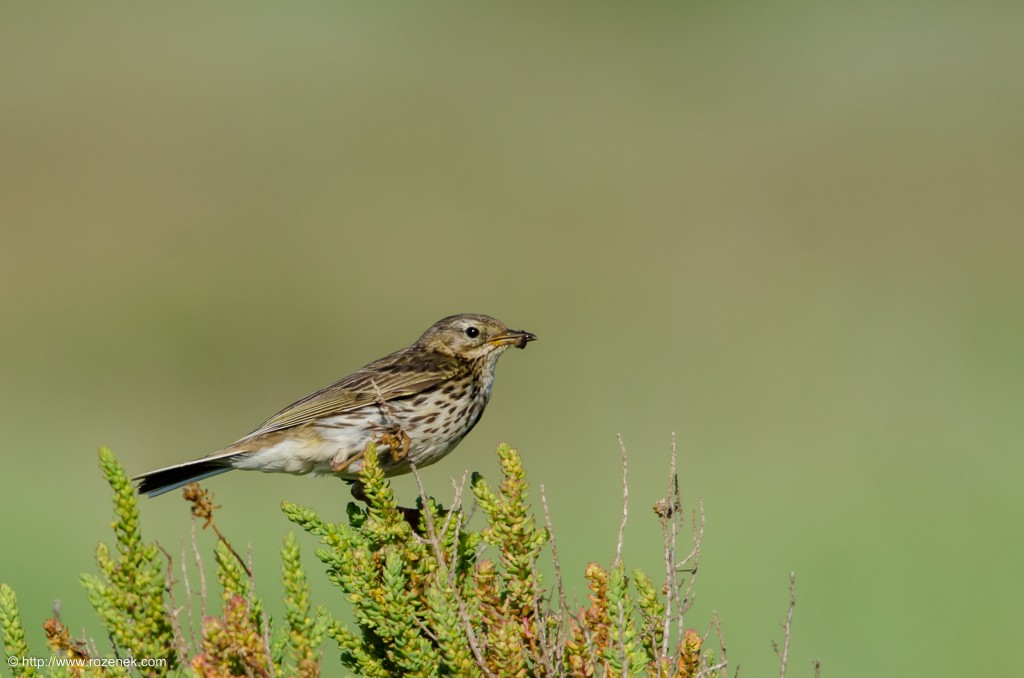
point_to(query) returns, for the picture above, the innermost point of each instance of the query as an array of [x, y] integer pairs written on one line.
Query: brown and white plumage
[[427, 396]]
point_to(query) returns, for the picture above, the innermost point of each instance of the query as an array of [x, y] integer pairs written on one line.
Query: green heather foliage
[[304, 633], [128, 593], [428, 597], [14, 634]]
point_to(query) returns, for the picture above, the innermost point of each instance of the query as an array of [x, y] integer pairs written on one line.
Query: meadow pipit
[[415, 405]]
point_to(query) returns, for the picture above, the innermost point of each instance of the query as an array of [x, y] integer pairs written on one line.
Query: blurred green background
[[789, 232]]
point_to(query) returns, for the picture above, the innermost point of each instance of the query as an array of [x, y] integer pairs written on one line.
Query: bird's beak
[[517, 338]]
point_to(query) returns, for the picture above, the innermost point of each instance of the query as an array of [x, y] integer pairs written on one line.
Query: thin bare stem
[[428, 516], [174, 611], [188, 596], [676, 525], [252, 595], [427, 631], [668, 510], [694, 557], [202, 574], [456, 508], [618, 547], [710, 670], [625, 502], [547, 650], [246, 565], [784, 654], [563, 606], [474, 645], [252, 584], [716, 623], [93, 648], [698, 537], [382, 403]]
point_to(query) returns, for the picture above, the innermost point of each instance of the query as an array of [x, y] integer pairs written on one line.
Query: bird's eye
[[472, 332]]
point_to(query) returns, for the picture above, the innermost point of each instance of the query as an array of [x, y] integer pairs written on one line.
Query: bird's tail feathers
[[171, 478]]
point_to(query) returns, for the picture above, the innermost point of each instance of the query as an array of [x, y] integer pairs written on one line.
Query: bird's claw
[[398, 442]]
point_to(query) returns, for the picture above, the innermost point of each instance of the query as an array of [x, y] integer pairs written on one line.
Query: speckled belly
[[432, 433]]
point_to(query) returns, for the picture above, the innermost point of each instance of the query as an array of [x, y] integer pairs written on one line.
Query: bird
[[415, 405]]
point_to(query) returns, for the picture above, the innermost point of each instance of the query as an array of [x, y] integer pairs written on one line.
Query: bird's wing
[[395, 376]]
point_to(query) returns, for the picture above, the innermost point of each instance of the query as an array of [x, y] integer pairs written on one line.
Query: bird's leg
[[339, 463], [394, 437], [398, 442]]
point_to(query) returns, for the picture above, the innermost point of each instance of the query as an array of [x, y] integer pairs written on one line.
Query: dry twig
[[202, 574], [784, 653], [188, 591], [175, 611], [563, 606], [625, 503], [203, 507]]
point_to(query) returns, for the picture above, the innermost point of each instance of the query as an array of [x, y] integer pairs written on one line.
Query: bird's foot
[[398, 442]]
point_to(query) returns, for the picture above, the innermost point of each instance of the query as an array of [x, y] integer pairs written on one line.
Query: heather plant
[[427, 595]]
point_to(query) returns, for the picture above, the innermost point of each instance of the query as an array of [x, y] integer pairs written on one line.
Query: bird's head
[[471, 336]]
